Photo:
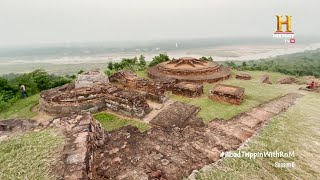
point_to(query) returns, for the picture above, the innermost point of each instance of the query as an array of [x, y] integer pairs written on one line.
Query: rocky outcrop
[[83, 134], [243, 76], [227, 93], [265, 79]]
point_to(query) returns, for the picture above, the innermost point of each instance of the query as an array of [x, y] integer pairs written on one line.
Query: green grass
[[111, 122], [22, 108], [295, 130], [255, 94], [28, 156]]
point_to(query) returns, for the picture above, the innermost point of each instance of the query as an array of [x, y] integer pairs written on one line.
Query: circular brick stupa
[[190, 69]]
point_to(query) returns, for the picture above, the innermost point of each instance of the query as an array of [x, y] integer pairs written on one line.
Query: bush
[[159, 59], [34, 82]]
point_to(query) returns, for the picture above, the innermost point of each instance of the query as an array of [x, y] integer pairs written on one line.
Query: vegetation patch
[[298, 64], [22, 108], [34, 83], [111, 122], [28, 156]]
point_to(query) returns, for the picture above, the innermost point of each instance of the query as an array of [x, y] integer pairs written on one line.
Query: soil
[[13, 127], [173, 153]]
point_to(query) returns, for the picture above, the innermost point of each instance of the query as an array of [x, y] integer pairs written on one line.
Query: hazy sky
[[55, 21]]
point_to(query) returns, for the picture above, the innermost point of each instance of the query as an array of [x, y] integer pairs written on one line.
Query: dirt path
[[175, 153]]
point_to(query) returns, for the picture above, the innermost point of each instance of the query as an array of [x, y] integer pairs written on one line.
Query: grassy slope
[[28, 156], [296, 130], [22, 108], [256, 93], [111, 122]]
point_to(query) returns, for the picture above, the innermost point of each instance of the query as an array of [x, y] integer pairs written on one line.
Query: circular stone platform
[[190, 69]]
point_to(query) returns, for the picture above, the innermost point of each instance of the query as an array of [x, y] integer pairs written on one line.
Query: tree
[[204, 58], [81, 71], [110, 65], [116, 66], [142, 61], [159, 59]]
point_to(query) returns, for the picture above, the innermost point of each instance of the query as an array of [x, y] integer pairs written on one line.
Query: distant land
[[69, 58]]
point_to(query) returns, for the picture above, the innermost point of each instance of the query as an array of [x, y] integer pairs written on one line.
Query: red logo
[[292, 40]]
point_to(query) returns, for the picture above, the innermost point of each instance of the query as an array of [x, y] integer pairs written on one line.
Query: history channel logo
[[287, 35]]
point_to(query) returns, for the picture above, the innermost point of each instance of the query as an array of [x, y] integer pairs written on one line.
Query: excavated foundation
[[173, 152]]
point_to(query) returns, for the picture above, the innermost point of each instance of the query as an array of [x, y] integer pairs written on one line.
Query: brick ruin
[[188, 89], [243, 76], [177, 143], [265, 79], [227, 93], [84, 134], [155, 89], [92, 95], [191, 70], [152, 90], [287, 80]]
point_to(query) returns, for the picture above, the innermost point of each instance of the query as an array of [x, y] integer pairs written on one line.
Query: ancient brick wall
[[226, 98], [60, 101], [227, 93], [152, 90], [243, 76], [83, 135], [186, 72], [188, 89]]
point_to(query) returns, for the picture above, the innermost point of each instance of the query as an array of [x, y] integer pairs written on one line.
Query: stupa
[[191, 70]]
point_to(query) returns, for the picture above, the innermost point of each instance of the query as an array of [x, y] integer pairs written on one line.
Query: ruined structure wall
[[221, 75], [186, 72], [151, 90], [93, 99], [188, 89], [83, 134], [226, 98]]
